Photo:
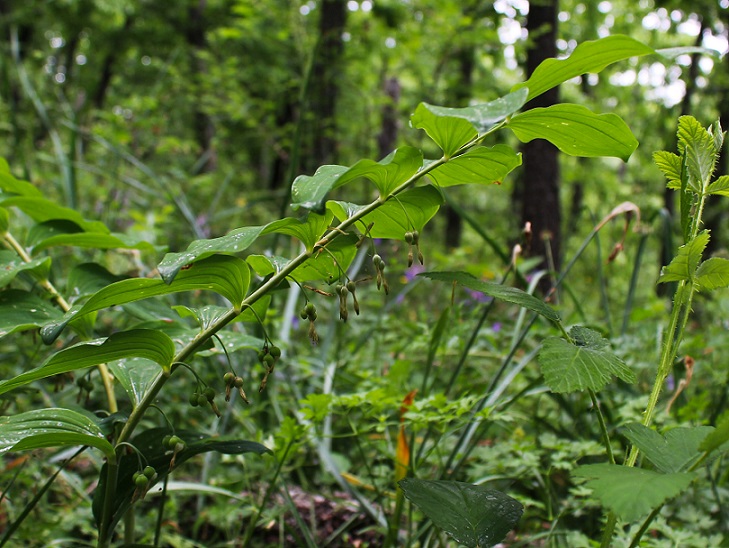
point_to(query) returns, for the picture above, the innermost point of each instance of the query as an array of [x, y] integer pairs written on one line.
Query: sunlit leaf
[[713, 273], [228, 276], [697, 145], [576, 130], [632, 492], [591, 56], [674, 452], [140, 343], [498, 291], [480, 165], [136, 376], [410, 210], [670, 165], [588, 363], [390, 172], [472, 514], [309, 230], [449, 133], [683, 266], [20, 311], [310, 191], [54, 427], [720, 186]]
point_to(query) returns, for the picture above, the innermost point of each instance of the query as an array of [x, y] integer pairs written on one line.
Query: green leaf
[[632, 492], [713, 273], [697, 145], [311, 191], [588, 363], [410, 210], [4, 221], [136, 376], [228, 276], [11, 265], [149, 444], [720, 186], [51, 428], [88, 278], [677, 451], [41, 210], [591, 56], [10, 185], [717, 438], [328, 265], [142, 343], [448, 132], [233, 341], [234, 242], [498, 291], [390, 172], [480, 165], [67, 233], [684, 264], [308, 230], [670, 165], [21, 311], [472, 514], [485, 116], [576, 130]]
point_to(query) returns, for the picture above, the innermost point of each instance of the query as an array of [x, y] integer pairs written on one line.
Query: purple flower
[[413, 271]]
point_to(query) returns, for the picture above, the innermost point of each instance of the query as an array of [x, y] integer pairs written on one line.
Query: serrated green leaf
[[450, 133], [21, 311], [713, 273], [234, 242], [472, 514], [697, 145], [670, 165], [141, 343], [717, 438], [308, 230], [51, 428], [576, 130], [674, 452], [480, 165], [587, 364], [632, 492], [228, 276], [390, 172], [11, 265], [148, 443], [410, 210], [67, 233], [498, 291], [136, 376], [684, 264], [42, 210], [310, 191], [9, 184], [591, 56], [485, 116], [719, 187]]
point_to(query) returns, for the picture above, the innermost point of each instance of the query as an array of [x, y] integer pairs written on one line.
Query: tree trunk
[[539, 192]]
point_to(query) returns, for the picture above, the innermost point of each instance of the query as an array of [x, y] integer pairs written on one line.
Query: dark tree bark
[[325, 85], [109, 63], [390, 127], [539, 192]]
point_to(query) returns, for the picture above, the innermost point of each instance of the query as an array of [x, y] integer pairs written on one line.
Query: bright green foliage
[[585, 362], [480, 165], [717, 438], [632, 492], [51, 428], [683, 266], [504, 293], [713, 273], [720, 187], [472, 514], [387, 174], [576, 130], [677, 451], [451, 134]]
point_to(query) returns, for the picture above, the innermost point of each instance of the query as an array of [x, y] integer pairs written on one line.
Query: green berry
[[351, 286], [238, 382], [377, 261], [275, 351], [343, 292], [209, 393], [202, 400], [312, 316], [310, 308], [141, 481], [166, 441], [304, 314], [409, 237], [269, 361], [149, 472], [261, 354], [193, 399], [229, 377]]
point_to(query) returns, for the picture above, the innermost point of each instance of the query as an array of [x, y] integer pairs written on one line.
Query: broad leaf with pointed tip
[[67, 233], [588, 363], [54, 427], [42, 209], [410, 210], [226, 275], [136, 376], [141, 343], [21, 311], [472, 514], [450, 133], [390, 172], [310, 191], [480, 165], [308, 230], [632, 492], [674, 452], [576, 130], [713, 273], [591, 56]]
